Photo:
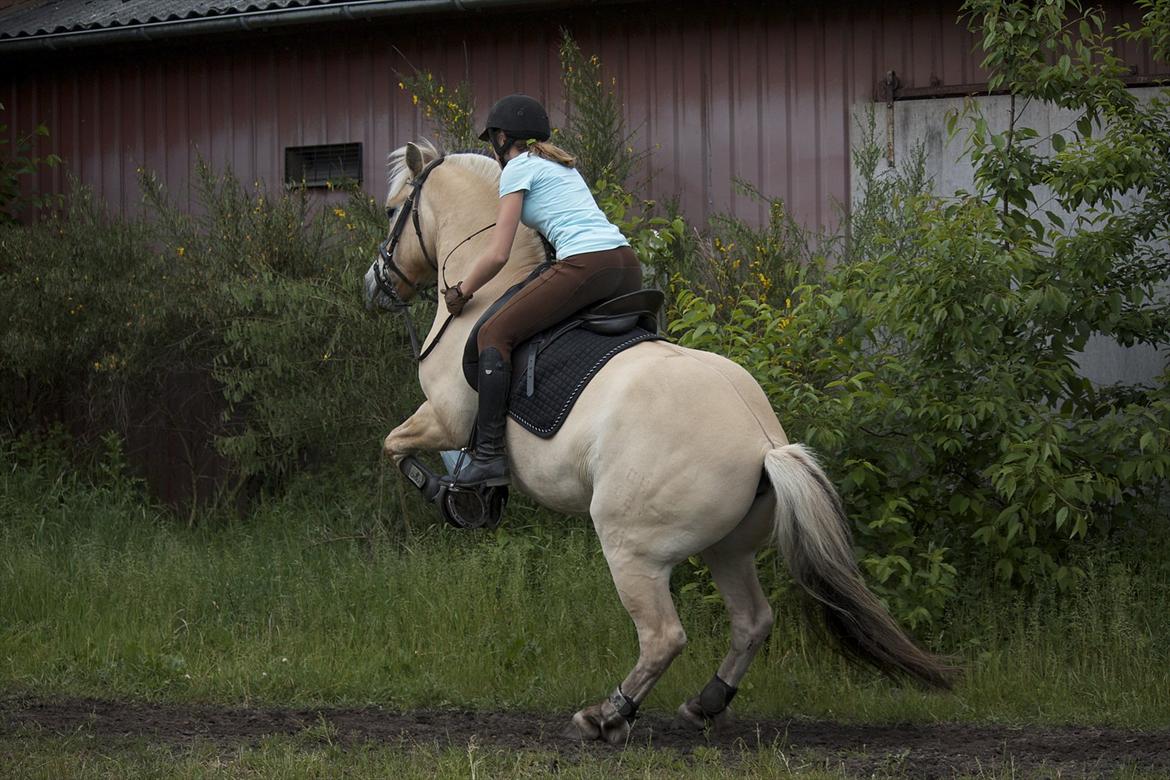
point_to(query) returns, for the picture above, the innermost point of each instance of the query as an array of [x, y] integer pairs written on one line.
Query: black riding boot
[[489, 463]]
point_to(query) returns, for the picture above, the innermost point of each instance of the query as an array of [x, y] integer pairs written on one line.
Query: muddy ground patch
[[911, 750]]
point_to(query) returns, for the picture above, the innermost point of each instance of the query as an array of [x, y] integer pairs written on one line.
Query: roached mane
[[481, 164], [397, 173]]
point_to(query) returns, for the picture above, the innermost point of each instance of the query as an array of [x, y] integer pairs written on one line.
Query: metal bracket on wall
[[888, 89]]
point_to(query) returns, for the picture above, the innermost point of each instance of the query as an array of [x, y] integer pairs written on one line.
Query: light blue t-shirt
[[559, 204]]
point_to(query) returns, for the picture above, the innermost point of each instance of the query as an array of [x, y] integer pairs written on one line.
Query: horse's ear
[[414, 159]]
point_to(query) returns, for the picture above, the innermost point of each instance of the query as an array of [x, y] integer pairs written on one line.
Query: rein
[[410, 209]]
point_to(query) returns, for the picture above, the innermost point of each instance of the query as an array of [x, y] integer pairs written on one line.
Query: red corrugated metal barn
[[756, 90]]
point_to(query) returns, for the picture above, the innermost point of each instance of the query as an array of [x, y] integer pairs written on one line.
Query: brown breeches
[[560, 290]]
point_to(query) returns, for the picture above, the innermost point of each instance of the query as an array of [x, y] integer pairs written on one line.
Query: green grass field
[[313, 601], [316, 755]]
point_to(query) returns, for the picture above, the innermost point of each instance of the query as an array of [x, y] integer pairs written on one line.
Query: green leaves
[[18, 163], [595, 127], [251, 303], [935, 366]]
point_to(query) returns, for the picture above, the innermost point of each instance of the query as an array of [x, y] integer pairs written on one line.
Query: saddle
[[552, 368]]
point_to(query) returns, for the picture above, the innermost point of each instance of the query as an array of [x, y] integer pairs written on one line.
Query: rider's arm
[[496, 255]]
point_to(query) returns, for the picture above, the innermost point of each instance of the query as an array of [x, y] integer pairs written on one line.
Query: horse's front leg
[[644, 587], [421, 432]]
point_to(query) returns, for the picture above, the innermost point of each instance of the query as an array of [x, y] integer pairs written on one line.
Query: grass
[[318, 599], [314, 754]]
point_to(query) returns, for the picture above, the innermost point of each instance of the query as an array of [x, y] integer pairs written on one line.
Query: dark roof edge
[[249, 20]]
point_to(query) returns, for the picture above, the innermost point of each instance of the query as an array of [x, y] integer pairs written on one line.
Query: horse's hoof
[[582, 728], [691, 714], [598, 723]]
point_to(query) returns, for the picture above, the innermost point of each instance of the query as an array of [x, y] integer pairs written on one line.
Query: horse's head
[[458, 207], [405, 263]]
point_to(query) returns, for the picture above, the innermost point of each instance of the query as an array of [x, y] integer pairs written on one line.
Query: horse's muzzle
[[379, 289]]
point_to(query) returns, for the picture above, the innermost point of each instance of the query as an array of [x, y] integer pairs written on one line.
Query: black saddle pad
[[549, 376]]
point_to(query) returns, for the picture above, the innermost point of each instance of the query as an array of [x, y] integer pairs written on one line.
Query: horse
[[671, 452]]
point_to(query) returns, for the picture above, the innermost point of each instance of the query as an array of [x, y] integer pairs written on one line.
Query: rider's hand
[[456, 299]]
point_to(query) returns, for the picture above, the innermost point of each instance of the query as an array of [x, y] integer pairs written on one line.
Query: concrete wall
[[922, 124]]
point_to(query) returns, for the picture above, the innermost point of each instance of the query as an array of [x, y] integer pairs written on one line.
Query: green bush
[[254, 291], [935, 366], [451, 112], [16, 162], [595, 130]]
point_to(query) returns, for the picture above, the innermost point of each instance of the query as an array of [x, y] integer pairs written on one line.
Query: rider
[[541, 187]]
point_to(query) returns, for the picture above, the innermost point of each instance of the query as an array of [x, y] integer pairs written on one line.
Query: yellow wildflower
[[181, 250]]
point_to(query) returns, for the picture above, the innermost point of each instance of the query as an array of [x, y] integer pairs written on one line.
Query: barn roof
[[43, 17], [64, 23]]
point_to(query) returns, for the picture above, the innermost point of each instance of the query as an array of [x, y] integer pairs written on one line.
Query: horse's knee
[[678, 641], [671, 643], [391, 450]]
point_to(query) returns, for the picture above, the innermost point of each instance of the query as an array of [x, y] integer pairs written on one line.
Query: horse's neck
[[522, 262], [527, 250]]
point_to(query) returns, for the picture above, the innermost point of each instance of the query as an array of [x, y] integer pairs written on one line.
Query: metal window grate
[[319, 166]]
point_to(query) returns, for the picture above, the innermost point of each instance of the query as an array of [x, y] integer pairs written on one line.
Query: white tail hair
[[813, 535]]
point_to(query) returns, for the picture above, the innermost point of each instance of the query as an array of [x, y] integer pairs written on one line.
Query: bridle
[[410, 209]]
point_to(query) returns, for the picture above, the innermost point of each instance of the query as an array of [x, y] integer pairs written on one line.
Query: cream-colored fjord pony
[[664, 451]]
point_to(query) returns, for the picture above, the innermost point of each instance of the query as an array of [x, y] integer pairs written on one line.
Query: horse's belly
[[668, 434], [550, 470]]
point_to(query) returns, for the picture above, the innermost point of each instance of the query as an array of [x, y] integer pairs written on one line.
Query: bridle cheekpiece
[[386, 250]]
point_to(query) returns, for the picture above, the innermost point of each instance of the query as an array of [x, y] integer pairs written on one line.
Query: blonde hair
[[550, 151]]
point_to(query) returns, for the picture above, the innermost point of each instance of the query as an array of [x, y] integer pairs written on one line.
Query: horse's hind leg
[[733, 567], [644, 588]]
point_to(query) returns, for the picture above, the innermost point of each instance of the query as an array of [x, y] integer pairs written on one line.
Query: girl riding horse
[[540, 187]]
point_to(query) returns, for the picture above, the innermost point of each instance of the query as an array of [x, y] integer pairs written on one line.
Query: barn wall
[[759, 91]]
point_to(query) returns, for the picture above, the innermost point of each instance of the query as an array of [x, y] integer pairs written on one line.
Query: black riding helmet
[[520, 117]]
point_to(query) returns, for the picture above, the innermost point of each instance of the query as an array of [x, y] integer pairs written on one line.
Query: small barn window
[[318, 166]]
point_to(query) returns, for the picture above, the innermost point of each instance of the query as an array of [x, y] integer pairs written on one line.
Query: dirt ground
[[912, 750]]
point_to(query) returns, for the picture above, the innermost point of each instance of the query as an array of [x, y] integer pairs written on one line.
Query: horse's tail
[[813, 535]]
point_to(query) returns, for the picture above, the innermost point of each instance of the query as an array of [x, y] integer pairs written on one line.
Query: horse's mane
[[478, 162]]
